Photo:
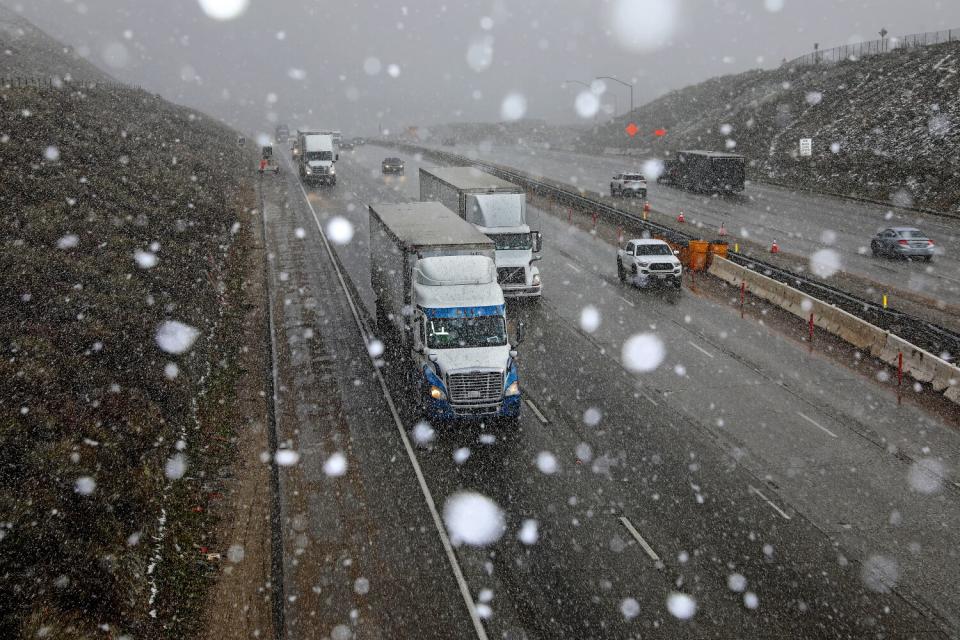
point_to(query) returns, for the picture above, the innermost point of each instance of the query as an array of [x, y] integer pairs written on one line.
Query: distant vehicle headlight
[[513, 389]]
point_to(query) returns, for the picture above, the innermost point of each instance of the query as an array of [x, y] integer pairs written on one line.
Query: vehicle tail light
[[929, 243], [904, 242]]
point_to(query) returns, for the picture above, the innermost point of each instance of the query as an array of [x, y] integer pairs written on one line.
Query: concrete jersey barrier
[[921, 365]]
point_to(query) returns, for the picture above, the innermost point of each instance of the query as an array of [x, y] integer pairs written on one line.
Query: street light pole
[[626, 84]]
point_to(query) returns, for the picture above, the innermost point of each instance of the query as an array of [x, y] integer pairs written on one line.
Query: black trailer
[[709, 171]]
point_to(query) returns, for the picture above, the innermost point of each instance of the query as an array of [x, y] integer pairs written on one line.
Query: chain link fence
[[874, 47]]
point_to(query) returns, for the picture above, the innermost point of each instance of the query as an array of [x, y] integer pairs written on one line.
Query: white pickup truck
[[646, 262], [628, 184]]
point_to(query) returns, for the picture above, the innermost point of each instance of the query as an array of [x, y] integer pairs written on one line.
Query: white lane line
[[542, 418], [699, 348], [574, 267], [411, 455], [816, 424], [636, 536], [627, 301], [767, 500]]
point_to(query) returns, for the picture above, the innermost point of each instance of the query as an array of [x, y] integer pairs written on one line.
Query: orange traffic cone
[[723, 230], [680, 217], [774, 248]]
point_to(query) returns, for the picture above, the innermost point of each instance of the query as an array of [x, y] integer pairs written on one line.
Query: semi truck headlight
[[536, 279], [513, 389], [307, 170], [333, 170], [437, 393]]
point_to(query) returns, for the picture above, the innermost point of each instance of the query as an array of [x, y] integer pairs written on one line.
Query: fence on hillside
[[35, 82], [859, 50]]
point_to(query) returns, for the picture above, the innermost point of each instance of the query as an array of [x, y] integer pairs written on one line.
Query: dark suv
[[392, 165]]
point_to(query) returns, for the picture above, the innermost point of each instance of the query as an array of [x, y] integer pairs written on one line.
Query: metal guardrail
[[859, 50], [926, 335]]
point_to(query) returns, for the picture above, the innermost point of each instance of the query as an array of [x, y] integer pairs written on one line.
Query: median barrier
[[921, 365]]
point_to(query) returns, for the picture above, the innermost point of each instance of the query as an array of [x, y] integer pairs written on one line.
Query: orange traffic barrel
[[697, 254]]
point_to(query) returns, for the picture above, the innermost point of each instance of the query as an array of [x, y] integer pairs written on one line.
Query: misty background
[[358, 66]]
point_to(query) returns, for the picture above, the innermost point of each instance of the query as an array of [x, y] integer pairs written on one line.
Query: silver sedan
[[905, 242]]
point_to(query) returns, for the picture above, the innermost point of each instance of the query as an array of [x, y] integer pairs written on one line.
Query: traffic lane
[[550, 574], [538, 576], [580, 614], [786, 414], [363, 542], [797, 220], [693, 502]]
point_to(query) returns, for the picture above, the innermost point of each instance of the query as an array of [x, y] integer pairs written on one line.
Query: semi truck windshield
[[319, 155], [456, 333], [514, 241]]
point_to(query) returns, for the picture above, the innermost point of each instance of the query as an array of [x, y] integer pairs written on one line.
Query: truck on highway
[[282, 133], [708, 171], [315, 155], [441, 312], [497, 208]]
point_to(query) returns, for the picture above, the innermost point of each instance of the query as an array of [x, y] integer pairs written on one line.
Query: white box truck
[[316, 155], [441, 311], [498, 209]]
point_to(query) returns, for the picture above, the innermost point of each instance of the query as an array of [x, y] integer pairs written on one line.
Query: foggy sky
[[313, 61]]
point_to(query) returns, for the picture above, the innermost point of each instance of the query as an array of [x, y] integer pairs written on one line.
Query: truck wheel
[[621, 274], [612, 192]]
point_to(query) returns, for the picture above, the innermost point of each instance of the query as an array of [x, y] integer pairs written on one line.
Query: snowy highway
[[695, 487], [802, 223]]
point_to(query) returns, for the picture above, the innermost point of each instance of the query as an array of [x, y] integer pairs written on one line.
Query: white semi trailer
[[440, 309], [498, 209]]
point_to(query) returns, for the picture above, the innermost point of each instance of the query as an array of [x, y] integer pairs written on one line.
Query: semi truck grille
[[511, 275], [481, 387], [661, 266]]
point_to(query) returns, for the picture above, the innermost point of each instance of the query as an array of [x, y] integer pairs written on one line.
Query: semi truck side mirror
[[537, 242]]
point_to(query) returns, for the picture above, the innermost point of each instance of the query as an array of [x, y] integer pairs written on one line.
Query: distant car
[[392, 165], [346, 145], [647, 262], [628, 184], [905, 242]]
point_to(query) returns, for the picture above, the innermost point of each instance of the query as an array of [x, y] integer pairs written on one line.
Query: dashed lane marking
[[574, 267], [768, 501], [636, 536], [542, 418], [699, 348], [816, 424]]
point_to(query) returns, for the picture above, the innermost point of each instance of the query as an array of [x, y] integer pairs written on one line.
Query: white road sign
[[806, 146]]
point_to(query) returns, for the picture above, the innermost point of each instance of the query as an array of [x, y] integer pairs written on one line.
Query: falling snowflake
[[681, 606], [473, 519], [286, 457], [336, 465], [175, 466], [528, 532], [175, 337], [643, 352]]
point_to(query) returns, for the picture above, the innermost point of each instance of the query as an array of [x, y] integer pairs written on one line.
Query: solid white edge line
[[536, 410], [636, 536], [575, 268], [627, 301], [424, 489], [816, 424], [699, 348], [767, 500]]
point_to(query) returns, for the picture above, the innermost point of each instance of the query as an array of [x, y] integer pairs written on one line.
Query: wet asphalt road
[[715, 470], [801, 222]]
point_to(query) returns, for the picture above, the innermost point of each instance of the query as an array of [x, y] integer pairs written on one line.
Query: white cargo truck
[[498, 209], [316, 154], [441, 312]]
